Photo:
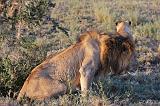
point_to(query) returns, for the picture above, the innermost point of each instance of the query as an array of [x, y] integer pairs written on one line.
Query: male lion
[[93, 56]]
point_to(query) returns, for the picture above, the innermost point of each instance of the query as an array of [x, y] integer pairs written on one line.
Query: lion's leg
[[89, 66], [87, 74], [43, 88], [54, 88], [85, 82]]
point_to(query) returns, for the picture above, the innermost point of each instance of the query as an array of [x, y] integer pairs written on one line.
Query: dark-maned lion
[[94, 55]]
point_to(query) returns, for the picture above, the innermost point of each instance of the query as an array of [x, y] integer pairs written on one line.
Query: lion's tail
[[22, 91]]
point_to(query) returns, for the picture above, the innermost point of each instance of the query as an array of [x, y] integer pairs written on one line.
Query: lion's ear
[[117, 23], [129, 22]]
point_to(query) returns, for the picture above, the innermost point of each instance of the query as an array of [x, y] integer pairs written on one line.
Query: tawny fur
[[94, 55]]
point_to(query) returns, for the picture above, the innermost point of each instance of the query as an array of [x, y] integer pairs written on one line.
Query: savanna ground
[[141, 86]]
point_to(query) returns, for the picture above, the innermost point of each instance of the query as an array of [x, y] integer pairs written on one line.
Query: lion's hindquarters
[[50, 78], [22, 91], [41, 88], [49, 87]]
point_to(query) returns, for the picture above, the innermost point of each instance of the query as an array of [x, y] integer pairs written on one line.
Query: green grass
[[72, 17]]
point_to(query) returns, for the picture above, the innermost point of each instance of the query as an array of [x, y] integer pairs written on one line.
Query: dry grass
[[139, 87]]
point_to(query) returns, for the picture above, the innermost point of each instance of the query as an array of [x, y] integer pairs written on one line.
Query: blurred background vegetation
[[30, 30]]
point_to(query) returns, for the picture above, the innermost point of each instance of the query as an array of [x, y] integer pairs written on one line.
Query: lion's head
[[116, 49], [120, 48], [123, 28]]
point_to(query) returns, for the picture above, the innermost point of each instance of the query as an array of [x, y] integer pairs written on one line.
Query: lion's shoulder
[[89, 35]]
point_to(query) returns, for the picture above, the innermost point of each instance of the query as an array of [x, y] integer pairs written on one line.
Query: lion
[[94, 55]]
